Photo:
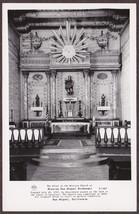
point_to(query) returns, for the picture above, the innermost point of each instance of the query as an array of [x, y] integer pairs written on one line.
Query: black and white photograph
[[70, 88]]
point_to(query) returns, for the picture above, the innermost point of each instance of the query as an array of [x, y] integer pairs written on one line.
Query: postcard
[[69, 107]]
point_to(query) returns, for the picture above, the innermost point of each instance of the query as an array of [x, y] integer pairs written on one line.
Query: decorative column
[[48, 93], [53, 94], [92, 104], [114, 77], [25, 74], [87, 93]]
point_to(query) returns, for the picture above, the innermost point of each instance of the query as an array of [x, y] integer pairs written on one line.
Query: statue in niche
[[103, 100], [37, 101], [69, 85]]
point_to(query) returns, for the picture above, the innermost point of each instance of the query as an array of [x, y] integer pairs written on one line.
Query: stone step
[[93, 160], [68, 156], [70, 135], [88, 149]]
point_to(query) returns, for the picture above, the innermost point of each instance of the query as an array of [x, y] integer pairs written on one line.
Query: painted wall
[[98, 86], [102, 83], [125, 76], [37, 85], [90, 34], [14, 75]]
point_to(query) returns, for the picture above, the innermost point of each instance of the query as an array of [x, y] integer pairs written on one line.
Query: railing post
[[33, 138], [105, 137], [119, 138], [12, 138], [112, 137], [39, 139], [19, 138], [126, 137], [26, 139], [98, 137]]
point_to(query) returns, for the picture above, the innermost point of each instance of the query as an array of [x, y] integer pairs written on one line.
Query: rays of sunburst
[[80, 55], [60, 58], [78, 36], [63, 60], [58, 52], [58, 38], [77, 59], [56, 48], [62, 34], [74, 59], [74, 39], [66, 60], [82, 51], [80, 43], [82, 47], [73, 36], [57, 55], [56, 43], [68, 31]]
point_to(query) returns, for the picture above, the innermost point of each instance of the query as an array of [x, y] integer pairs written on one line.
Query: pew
[[115, 143], [24, 144]]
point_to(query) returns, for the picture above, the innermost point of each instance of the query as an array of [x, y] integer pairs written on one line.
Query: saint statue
[[37, 101], [103, 100], [69, 85]]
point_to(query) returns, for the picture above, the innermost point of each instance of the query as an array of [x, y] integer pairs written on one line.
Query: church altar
[[70, 127]]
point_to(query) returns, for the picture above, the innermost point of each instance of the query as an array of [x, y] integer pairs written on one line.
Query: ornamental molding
[[26, 20], [109, 24], [70, 14], [33, 60], [105, 60]]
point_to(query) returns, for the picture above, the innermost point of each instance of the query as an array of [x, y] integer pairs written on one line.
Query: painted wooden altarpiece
[[70, 66]]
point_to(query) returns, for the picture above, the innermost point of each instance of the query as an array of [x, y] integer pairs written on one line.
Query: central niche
[[69, 83], [69, 94]]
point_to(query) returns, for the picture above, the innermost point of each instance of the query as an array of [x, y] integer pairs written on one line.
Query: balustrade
[[113, 136], [25, 137]]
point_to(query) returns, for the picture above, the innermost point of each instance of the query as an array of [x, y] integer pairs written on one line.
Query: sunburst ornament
[[69, 46]]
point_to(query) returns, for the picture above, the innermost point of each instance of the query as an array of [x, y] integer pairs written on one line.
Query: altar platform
[[62, 125]]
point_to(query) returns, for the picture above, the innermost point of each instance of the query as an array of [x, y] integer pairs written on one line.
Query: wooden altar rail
[[28, 137], [113, 136]]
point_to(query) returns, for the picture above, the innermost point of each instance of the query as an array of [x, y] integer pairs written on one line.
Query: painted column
[[114, 77], [87, 93], [25, 74], [48, 93], [92, 104], [53, 94]]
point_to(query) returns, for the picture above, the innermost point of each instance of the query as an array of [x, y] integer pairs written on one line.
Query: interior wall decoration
[[103, 39], [69, 47], [62, 50], [102, 93], [37, 94]]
